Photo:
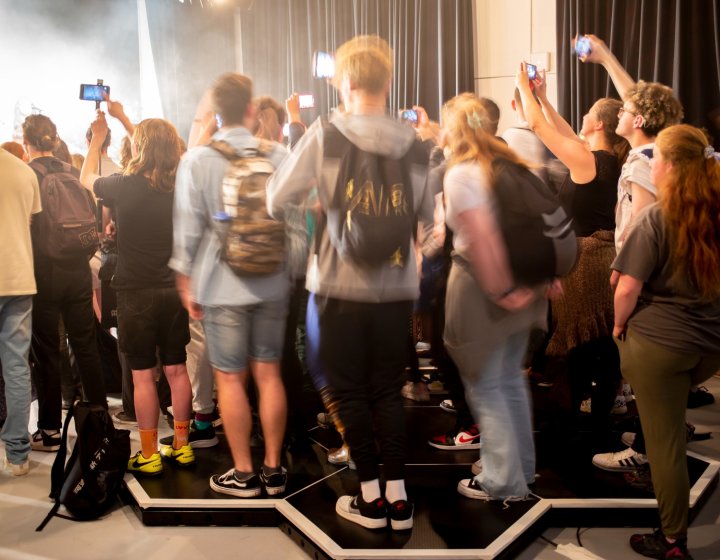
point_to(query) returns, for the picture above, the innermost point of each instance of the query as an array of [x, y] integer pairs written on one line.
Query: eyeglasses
[[624, 110]]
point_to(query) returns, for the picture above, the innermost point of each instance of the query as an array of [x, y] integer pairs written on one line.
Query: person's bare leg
[[235, 412], [180, 390], [147, 406], [272, 408]]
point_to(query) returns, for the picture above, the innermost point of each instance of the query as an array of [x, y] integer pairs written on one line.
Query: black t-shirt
[[592, 205], [144, 231]]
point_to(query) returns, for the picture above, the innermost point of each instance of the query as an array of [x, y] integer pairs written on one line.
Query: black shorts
[[152, 322]]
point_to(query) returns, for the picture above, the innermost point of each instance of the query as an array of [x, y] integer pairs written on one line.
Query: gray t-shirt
[[669, 311]]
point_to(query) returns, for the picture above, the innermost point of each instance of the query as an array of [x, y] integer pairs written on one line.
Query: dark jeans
[[64, 290], [363, 350]]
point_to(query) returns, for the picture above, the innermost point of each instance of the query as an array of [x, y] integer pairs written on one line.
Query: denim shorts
[[152, 320], [236, 334]]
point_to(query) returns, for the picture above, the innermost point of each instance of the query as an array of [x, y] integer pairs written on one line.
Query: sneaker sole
[[472, 494], [448, 409], [401, 525], [204, 443], [274, 490], [358, 519], [47, 449], [251, 493], [174, 461], [461, 447], [618, 469]]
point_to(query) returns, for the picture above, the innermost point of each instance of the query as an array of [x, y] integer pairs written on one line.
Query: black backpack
[[373, 217], [538, 234], [67, 226], [88, 485]]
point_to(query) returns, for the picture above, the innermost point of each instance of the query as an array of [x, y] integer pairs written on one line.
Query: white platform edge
[[330, 547]]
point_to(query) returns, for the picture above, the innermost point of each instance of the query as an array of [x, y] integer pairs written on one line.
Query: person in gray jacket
[[363, 310]]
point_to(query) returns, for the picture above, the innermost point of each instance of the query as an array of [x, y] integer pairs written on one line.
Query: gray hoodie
[[328, 274]]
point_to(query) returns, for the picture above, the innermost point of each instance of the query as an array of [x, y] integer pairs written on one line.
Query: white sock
[[370, 490], [395, 490]]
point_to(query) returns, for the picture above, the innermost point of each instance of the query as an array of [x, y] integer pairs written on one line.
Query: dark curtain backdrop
[[676, 42], [192, 44], [432, 42]]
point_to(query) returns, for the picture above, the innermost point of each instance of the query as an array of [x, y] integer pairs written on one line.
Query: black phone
[[582, 46], [94, 92], [531, 71], [323, 65], [306, 100], [409, 115]]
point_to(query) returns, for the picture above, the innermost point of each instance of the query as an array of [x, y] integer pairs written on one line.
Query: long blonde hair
[[689, 197], [465, 121], [158, 153]]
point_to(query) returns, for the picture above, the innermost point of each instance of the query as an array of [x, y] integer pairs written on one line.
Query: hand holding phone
[[582, 46], [94, 92]]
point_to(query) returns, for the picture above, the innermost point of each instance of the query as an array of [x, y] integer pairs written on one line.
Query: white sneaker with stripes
[[622, 461]]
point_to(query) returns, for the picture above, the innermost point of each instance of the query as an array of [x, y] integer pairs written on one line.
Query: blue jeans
[[499, 398], [488, 345], [15, 334]]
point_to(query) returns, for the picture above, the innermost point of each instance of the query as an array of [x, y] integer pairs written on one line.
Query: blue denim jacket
[[196, 246]]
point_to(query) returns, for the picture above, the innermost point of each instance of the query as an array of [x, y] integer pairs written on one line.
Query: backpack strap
[[57, 473], [263, 149]]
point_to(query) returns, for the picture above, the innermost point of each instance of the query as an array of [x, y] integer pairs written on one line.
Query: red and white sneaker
[[458, 441]]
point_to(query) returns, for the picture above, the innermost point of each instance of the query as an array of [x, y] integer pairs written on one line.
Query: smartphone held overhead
[[531, 71], [306, 100], [323, 65], [94, 92], [582, 46], [409, 115]]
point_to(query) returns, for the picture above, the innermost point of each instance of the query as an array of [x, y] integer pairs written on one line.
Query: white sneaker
[[628, 438], [14, 469], [417, 392], [627, 393], [422, 346], [622, 461], [619, 406]]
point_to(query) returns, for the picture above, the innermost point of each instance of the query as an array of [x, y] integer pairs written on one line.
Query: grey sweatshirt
[[328, 274]]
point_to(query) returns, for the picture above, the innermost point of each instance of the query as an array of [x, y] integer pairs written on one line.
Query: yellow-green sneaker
[[184, 457], [148, 466]]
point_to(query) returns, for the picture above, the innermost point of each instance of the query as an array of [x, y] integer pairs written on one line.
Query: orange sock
[[148, 442], [181, 433]]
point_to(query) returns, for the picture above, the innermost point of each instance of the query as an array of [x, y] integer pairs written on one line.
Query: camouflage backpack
[[253, 243]]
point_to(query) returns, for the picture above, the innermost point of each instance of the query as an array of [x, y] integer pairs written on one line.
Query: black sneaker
[[275, 482], [198, 439], [401, 515], [654, 545], [355, 509], [228, 484], [699, 397], [40, 441]]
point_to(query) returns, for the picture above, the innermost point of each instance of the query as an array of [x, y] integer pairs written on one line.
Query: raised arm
[[574, 154], [88, 173], [601, 54], [553, 117], [115, 109], [204, 124]]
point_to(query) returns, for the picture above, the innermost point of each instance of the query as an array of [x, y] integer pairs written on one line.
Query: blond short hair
[[367, 61]]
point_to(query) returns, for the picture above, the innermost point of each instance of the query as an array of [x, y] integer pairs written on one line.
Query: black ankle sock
[[271, 470]]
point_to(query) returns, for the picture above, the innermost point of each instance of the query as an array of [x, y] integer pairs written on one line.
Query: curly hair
[[367, 61], [466, 124], [689, 197], [607, 110], [657, 104], [40, 132], [158, 153]]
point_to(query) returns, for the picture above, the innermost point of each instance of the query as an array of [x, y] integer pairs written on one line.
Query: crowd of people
[[226, 245]]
